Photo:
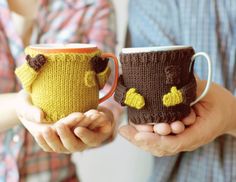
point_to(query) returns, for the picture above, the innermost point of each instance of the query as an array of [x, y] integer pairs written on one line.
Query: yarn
[[134, 99], [66, 83], [173, 98]]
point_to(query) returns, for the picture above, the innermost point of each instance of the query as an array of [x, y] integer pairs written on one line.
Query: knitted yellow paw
[[89, 79], [172, 98], [134, 99]]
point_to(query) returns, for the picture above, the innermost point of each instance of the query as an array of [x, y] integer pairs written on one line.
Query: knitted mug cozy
[[62, 82], [158, 86]]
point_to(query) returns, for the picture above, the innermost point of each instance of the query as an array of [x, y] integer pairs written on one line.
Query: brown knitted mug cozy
[[152, 75]]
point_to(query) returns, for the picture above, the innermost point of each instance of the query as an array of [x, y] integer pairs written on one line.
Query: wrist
[[232, 130]]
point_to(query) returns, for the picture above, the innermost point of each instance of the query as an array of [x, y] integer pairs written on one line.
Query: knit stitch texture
[[66, 83], [163, 79]]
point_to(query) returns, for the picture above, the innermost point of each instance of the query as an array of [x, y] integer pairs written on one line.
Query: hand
[[175, 127], [61, 136], [164, 129], [97, 127], [215, 116]]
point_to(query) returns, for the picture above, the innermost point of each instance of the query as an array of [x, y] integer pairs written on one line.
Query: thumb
[[201, 85], [27, 110]]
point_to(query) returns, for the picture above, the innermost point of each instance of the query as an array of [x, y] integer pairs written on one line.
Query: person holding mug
[[29, 152], [201, 146]]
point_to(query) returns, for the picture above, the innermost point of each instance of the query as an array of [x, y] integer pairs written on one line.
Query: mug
[[66, 78], [158, 83]]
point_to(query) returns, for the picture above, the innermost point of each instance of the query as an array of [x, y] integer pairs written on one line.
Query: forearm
[[8, 115]]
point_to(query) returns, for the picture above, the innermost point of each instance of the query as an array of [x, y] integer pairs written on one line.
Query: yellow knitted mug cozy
[[61, 78]]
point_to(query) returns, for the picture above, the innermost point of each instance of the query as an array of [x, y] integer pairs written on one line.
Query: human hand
[[164, 129], [61, 136], [97, 127], [215, 116]]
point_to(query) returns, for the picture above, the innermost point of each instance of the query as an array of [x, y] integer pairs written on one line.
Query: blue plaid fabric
[[209, 26]]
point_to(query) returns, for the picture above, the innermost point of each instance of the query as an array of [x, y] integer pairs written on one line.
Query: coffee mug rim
[[131, 50], [63, 46]]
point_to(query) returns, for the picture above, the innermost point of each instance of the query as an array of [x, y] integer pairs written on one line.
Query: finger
[[53, 141], [99, 120], [33, 127], [107, 111], [162, 128], [190, 119], [173, 144], [31, 113], [89, 137], [152, 142], [26, 110], [177, 127], [42, 143], [71, 120], [90, 116], [142, 127], [34, 114], [68, 139], [128, 132]]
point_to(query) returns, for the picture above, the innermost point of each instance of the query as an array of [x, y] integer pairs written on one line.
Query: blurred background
[[119, 161]]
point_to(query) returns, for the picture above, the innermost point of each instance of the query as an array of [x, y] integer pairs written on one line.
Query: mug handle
[[113, 88], [209, 77]]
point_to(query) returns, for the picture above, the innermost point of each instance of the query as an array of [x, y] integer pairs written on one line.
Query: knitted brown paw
[[99, 64], [37, 62]]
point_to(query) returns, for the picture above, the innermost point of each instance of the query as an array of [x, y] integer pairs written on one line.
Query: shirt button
[[16, 138]]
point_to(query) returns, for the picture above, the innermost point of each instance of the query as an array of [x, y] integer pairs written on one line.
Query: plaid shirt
[[57, 22], [210, 26]]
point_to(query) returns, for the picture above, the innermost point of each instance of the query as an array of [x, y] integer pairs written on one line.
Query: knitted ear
[[99, 64], [174, 97], [36, 62], [90, 78]]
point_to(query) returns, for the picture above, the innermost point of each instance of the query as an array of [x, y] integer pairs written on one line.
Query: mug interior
[[63, 46], [153, 49]]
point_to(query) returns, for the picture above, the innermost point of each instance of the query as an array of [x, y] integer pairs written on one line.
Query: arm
[[8, 115]]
